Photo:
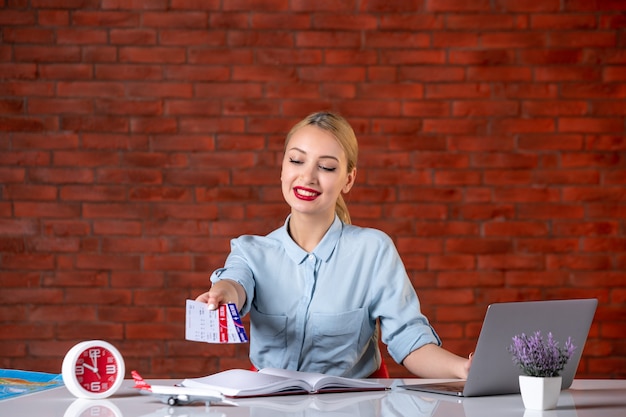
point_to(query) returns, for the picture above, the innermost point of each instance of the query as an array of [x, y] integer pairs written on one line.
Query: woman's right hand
[[222, 292]]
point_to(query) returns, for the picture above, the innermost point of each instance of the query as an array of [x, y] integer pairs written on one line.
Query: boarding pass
[[222, 325]]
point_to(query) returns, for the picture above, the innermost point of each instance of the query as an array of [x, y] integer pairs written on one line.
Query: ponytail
[[341, 209]]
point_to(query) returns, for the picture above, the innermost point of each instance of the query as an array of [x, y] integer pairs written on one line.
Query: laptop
[[493, 371]]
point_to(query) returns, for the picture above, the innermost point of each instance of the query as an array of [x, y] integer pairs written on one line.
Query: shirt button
[[311, 257]]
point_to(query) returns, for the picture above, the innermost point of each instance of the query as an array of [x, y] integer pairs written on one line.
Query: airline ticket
[[222, 325]]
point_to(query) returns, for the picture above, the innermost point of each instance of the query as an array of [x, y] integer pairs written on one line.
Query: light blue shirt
[[318, 311]]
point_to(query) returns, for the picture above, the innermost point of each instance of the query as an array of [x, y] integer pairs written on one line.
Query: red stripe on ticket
[[223, 323]]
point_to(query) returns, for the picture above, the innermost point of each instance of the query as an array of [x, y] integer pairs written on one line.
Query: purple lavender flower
[[537, 357]]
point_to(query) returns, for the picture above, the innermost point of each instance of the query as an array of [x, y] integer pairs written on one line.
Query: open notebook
[[242, 383]]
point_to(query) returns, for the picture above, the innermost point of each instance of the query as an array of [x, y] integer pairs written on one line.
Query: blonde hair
[[343, 133]]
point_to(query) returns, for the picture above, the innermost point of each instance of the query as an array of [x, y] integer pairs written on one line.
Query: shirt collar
[[323, 250]]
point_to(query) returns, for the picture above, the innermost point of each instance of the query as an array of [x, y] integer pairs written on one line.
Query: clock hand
[[91, 368], [94, 361]]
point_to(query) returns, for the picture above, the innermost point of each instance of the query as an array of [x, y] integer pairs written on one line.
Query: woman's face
[[314, 172]]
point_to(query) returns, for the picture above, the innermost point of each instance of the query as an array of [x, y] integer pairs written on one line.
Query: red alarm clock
[[93, 369]]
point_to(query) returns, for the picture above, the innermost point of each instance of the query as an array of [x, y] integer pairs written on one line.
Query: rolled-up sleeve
[[403, 326], [238, 268]]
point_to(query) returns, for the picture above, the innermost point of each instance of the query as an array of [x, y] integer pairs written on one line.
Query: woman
[[317, 287]]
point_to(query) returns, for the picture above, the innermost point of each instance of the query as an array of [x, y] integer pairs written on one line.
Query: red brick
[[186, 4], [510, 261], [528, 6], [514, 40], [320, 39], [582, 39], [480, 143], [505, 160], [32, 332], [482, 108], [536, 279], [419, 57], [167, 263], [531, 91], [609, 109], [512, 228], [595, 91], [418, 194], [134, 36], [141, 72], [461, 178], [550, 211], [411, 21], [511, 125], [153, 331], [99, 53], [613, 193], [394, 39], [604, 244], [62, 313], [458, 6], [261, 20], [595, 279], [566, 177], [563, 21], [550, 245], [504, 177], [105, 18], [551, 56], [47, 53], [451, 262], [483, 21], [457, 91], [606, 142], [81, 36], [483, 211], [579, 262], [86, 330], [448, 279], [11, 106], [426, 108], [28, 124], [591, 125], [12, 349], [477, 246], [220, 56]]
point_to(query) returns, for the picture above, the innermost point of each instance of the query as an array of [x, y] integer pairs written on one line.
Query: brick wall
[[138, 137]]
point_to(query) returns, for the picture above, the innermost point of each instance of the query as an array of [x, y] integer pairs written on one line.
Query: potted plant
[[541, 362]]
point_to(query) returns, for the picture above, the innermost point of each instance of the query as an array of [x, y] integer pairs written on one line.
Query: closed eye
[[328, 169], [295, 161]]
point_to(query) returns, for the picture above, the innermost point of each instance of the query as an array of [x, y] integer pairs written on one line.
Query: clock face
[[96, 369], [93, 369]]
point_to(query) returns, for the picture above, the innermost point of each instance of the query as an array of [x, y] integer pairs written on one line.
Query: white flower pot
[[540, 393]]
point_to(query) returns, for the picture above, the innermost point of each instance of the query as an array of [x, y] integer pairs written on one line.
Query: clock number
[[111, 369], [94, 386], [80, 370], [94, 353], [95, 411]]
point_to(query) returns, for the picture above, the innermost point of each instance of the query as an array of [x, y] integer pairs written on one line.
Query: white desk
[[593, 398]]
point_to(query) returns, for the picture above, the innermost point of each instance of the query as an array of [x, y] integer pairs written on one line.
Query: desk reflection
[[393, 403], [363, 404], [90, 408]]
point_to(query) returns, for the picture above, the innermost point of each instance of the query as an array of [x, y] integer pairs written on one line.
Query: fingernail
[[211, 306]]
